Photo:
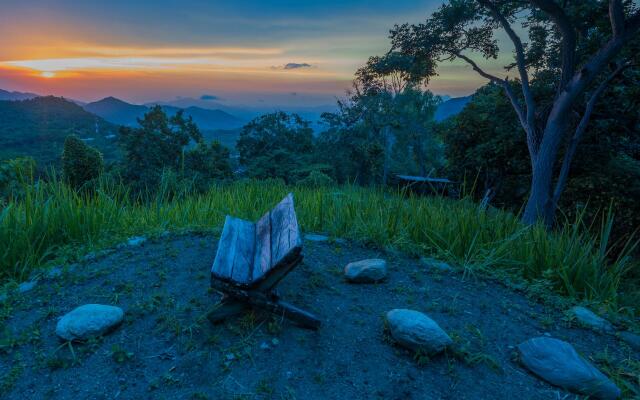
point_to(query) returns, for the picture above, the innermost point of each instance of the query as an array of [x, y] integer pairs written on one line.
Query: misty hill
[[451, 107], [38, 127], [122, 113], [13, 96], [116, 111]]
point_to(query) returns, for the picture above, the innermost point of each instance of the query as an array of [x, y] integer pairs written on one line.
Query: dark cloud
[[296, 65], [209, 97]]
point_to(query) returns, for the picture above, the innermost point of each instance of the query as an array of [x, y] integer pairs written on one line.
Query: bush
[[316, 179], [80, 162], [205, 165], [274, 145]]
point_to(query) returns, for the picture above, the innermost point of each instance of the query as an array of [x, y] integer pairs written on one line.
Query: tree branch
[[506, 86], [522, 69], [616, 16], [580, 129], [568, 45]]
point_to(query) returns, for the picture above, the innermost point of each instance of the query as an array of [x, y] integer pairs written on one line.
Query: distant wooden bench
[[251, 260]]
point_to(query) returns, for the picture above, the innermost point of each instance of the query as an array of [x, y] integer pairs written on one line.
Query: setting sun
[[47, 74]]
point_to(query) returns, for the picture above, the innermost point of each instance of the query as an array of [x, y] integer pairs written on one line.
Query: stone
[[312, 237], [630, 338], [435, 265], [89, 320], [558, 363], [26, 286], [587, 318], [136, 240], [416, 331], [366, 271]]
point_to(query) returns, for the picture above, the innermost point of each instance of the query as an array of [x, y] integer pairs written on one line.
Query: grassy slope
[[52, 221]]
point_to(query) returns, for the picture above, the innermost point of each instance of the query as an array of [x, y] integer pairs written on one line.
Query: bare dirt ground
[[167, 349]]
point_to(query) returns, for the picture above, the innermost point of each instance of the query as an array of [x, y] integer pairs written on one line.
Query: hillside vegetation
[[39, 126]]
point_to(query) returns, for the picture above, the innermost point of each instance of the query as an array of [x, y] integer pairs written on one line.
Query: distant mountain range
[[122, 113], [451, 107], [13, 96], [37, 126]]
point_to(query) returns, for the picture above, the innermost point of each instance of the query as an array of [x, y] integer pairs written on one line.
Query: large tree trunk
[[540, 205]]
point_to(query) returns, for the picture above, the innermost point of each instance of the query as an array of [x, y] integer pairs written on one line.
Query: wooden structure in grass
[[251, 260]]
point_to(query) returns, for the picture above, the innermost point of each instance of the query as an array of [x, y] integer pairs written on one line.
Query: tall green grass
[[50, 217]]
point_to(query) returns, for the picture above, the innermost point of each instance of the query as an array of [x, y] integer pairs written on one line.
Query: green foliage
[[570, 261], [316, 179], [486, 146], [274, 145], [206, 164], [156, 145], [80, 162], [379, 131]]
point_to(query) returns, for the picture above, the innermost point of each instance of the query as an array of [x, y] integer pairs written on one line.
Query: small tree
[[568, 41], [80, 163], [157, 144], [275, 145]]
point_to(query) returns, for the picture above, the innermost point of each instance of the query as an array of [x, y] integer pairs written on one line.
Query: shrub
[[316, 179], [205, 165], [80, 162]]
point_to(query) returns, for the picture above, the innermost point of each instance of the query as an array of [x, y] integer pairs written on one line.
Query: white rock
[[558, 363], [366, 271], [416, 331], [136, 240], [591, 320], [89, 320]]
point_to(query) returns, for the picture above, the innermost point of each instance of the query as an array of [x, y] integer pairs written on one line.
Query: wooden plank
[[262, 257], [223, 263], [244, 251], [285, 234]]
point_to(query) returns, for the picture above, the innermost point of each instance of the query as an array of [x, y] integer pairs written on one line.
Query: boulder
[[416, 331], [589, 319], [89, 320], [366, 271], [558, 363]]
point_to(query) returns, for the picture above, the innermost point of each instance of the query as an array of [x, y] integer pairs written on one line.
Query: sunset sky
[[239, 52]]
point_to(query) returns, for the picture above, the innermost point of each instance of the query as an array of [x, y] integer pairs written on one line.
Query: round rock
[[589, 319], [416, 331], [366, 271], [89, 320], [558, 363]]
